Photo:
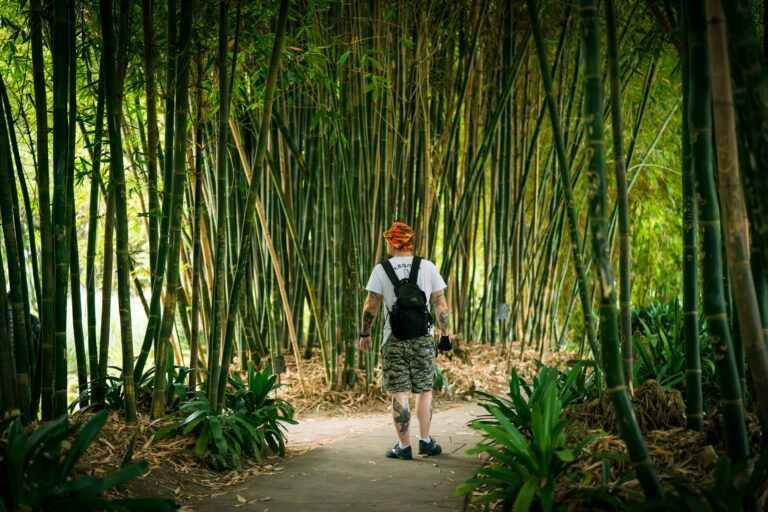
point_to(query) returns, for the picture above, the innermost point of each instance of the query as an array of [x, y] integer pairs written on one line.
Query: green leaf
[[525, 496], [164, 432], [565, 455], [218, 436]]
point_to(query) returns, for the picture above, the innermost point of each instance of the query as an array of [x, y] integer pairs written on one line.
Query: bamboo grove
[[233, 164]]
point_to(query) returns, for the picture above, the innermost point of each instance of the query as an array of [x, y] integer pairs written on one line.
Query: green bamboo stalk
[[621, 195], [106, 294], [566, 179], [611, 361], [700, 120], [22, 181], [197, 251], [222, 192], [159, 266], [117, 179], [93, 213], [74, 258], [44, 204], [24, 361], [175, 207], [693, 392], [8, 399], [734, 211], [152, 131], [19, 352], [248, 217], [61, 68]]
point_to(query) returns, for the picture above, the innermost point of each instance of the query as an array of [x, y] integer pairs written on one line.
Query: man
[[407, 364]]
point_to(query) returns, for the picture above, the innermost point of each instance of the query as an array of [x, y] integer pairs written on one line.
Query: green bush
[[111, 388], [251, 424], [522, 473], [659, 348], [36, 471], [575, 385]]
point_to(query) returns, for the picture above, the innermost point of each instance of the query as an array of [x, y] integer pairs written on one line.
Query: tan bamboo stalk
[[275, 263], [733, 208]]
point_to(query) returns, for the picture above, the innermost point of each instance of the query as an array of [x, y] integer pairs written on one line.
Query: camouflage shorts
[[407, 365]]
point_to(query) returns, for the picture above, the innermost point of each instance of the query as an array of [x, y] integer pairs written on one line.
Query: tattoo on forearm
[[443, 320], [370, 308], [437, 297], [368, 319], [403, 417]]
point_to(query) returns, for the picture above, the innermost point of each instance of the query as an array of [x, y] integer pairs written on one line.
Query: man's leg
[[424, 413], [401, 414]]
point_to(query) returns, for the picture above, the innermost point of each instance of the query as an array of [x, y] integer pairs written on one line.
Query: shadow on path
[[352, 473]]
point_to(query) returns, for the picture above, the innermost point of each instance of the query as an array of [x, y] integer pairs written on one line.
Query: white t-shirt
[[429, 280]]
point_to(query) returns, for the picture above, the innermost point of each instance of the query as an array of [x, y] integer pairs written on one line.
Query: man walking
[[407, 359]]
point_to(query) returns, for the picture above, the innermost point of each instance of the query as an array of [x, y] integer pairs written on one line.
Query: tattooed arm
[[370, 309], [441, 311]]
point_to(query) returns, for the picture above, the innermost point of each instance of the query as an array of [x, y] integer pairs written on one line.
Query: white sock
[[403, 446], [427, 440]]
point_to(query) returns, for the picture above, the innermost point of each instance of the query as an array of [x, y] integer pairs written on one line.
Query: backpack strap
[[387, 266], [414, 270]]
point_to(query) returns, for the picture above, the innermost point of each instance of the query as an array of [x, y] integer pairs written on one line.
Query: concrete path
[[352, 473]]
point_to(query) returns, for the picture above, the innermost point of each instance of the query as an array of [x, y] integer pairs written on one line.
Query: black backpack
[[410, 316]]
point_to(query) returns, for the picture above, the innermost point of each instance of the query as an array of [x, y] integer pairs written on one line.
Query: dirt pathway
[[349, 471]]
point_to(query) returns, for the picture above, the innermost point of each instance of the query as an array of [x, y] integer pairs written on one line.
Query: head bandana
[[400, 235]]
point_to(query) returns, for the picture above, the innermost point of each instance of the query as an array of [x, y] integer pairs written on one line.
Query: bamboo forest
[[196, 196]]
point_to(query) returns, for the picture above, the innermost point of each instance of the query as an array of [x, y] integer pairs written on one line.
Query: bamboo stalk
[[222, 191], [700, 119], [276, 267], [252, 199], [611, 361], [113, 91], [61, 68], [621, 196], [693, 392], [557, 134], [734, 211], [175, 208], [17, 326], [44, 205]]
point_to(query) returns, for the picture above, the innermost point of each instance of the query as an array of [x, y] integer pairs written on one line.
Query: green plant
[[521, 472], [111, 388], [440, 381], [573, 385], [251, 425], [36, 470], [660, 347]]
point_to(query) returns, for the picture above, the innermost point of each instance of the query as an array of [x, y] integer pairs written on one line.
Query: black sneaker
[[399, 453], [430, 448]]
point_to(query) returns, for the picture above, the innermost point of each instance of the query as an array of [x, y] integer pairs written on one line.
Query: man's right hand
[[365, 342], [445, 343]]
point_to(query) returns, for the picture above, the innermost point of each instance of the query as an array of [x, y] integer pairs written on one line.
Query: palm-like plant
[[522, 473], [251, 425], [36, 471]]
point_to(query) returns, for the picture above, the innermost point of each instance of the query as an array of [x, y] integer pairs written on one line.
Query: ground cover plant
[[38, 470]]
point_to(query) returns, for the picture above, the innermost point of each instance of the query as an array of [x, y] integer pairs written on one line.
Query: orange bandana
[[400, 235]]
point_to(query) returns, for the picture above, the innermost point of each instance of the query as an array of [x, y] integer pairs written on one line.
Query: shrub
[[36, 471], [522, 473], [251, 424]]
